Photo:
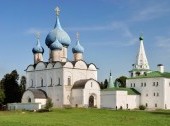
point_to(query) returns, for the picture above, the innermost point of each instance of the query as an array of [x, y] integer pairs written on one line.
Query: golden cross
[[57, 10]]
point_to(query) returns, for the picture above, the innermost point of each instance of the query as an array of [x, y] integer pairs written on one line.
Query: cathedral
[[66, 82], [74, 82]]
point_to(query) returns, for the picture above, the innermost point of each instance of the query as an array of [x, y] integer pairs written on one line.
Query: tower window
[[153, 83], [69, 80], [91, 84], [146, 104], [144, 84], [131, 84], [58, 81], [154, 94], [141, 84], [155, 105], [134, 85], [32, 84], [157, 84], [51, 82], [41, 82]]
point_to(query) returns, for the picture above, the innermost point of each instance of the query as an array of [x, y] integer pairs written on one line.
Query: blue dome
[[78, 48], [59, 34], [51, 37], [56, 45], [38, 48]]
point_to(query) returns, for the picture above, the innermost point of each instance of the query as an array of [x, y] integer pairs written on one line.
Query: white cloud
[[35, 30], [163, 42], [150, 12]]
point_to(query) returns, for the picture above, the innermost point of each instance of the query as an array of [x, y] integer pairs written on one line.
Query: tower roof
[[38, 48], [78, 48], [141, 59], [58, 33]]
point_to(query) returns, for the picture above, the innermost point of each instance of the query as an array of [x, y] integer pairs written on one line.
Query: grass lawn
[[85, 117]]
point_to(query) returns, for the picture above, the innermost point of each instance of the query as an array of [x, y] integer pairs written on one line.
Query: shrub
[[49, 104], [43, 110], [142, 107]]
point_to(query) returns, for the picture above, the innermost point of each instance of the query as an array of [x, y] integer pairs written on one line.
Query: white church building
[[66, 82], [154, 86], [143, 87]]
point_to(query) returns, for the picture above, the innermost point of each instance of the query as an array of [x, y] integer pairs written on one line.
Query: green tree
[[101, 85], [2, 96], [22, 84], [122, 81], [105, 83], [11, 88]]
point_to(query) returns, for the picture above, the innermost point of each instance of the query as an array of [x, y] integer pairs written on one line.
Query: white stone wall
[[24, 106], [167, 94], [111, 99], [151, 89], [77, 97], [108, 99]]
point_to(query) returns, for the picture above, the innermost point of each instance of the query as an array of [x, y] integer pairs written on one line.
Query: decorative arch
[[80, 64], [30, 68], [40, 66], [92, 66], [68, 65], [50, 66]]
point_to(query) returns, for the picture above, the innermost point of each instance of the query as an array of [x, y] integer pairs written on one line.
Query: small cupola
[[38, 50], [78, 50]]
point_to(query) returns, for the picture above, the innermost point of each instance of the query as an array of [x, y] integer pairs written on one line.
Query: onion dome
[[78, 48], [38, 48], [58, 33], [51, 37], [56, 45]]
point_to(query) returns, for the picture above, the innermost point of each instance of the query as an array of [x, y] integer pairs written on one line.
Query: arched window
[[58, 81], [41, 82], [32, 84], [51, 83], [69, 80]]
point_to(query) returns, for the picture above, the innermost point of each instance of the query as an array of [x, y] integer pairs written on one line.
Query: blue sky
[[109, 32]]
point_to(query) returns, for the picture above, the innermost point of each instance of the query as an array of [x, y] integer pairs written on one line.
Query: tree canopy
[[11, 88], [122, 81]]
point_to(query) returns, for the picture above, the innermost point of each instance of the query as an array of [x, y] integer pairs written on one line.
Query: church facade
[[67, 83]]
